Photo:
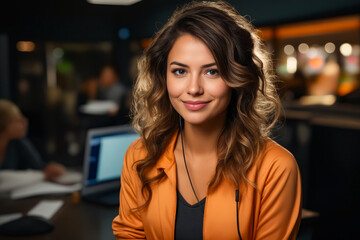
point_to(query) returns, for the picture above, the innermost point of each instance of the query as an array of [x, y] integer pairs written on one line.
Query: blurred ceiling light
[[25, 46], [303, 48], [330, 47], [289, 49], [346, 49], [291, 65], [114, 2]]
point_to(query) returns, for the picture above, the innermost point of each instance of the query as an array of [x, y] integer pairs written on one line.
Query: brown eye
[[178, 71], [212, 72]]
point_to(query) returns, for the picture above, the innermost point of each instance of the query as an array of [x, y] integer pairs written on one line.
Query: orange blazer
[[270, 211]]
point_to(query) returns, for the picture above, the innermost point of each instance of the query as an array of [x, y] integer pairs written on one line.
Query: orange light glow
[[25, 46], [316, 63], [319, 27], [266, 33], [347, 87], [145, 43]]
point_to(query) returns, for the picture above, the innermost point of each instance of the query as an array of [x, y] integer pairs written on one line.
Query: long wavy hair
[[244, 66]]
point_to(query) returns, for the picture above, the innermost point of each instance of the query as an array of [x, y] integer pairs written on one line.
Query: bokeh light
[[329, 47], [346, 49], [303, 48], [289, 49], [25, 46], [291, 65], [124, 33], [58, 53]]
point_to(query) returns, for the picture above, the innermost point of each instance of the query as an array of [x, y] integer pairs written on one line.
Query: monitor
[[103, 158]]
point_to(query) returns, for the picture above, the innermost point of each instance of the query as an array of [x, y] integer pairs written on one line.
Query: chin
[[207, 119], [196, 120]]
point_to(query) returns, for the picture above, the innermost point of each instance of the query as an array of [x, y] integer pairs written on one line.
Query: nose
[[195, 85]]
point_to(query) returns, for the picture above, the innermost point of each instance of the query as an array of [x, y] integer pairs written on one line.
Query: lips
[[195, 105]]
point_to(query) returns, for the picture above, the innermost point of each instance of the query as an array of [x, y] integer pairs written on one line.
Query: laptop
[[103, 161]]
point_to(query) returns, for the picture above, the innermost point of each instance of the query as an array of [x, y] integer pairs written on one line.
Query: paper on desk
[[46, 208], [70, 177], [97, 107], [12, 179], [4, 218], [44, 188]]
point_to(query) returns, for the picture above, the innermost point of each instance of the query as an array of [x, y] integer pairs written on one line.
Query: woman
[[16, 152], [213, 174]]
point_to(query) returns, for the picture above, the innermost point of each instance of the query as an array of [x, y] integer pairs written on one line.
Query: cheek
[[221, 90], [173, 87]]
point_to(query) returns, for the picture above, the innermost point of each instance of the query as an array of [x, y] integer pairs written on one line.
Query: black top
[[189, 219], [21, 154]]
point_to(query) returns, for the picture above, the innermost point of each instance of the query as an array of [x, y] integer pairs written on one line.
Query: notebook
[[103, 161]]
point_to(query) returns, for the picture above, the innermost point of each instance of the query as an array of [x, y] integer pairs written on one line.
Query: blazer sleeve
[[281, 196], [128, 224]]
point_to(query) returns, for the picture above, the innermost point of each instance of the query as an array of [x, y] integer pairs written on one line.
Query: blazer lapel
[[167, 191]]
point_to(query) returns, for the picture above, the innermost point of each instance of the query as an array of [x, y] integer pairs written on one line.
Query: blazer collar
[[168, 158]]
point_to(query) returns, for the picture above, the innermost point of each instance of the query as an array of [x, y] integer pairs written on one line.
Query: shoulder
[[274, 162], [136, 151], [275, 154], [16, 143], [277, 181], [25, 145], [19, 145]]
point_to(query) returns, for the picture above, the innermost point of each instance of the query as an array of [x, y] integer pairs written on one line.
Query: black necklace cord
[[188, 174], [187, 171], [237, 211]]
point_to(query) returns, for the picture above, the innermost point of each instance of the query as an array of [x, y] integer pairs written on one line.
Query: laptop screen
[[104, 153]]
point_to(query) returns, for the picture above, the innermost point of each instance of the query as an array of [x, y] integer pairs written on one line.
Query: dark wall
[[81, 21], [264, 12]]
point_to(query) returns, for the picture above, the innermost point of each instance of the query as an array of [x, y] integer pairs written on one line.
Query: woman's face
[[196, 89], [17, 126]]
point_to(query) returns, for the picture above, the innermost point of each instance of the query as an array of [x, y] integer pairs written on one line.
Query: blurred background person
[[88, 91], [103, 100], [327, 81], [16, 151], [111, 89]]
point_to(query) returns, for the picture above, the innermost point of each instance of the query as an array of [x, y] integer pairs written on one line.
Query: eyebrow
[[186, 66]]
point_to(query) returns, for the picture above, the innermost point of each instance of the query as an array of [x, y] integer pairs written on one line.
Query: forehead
[[189, 48]]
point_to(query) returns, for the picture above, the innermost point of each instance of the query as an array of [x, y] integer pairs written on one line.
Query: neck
[[203, 139]]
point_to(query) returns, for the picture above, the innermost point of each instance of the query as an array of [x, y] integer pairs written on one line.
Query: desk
[[85, 220], [78, 221]]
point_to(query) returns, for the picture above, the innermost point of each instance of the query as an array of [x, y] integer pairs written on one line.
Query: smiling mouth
[[195, 105]]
